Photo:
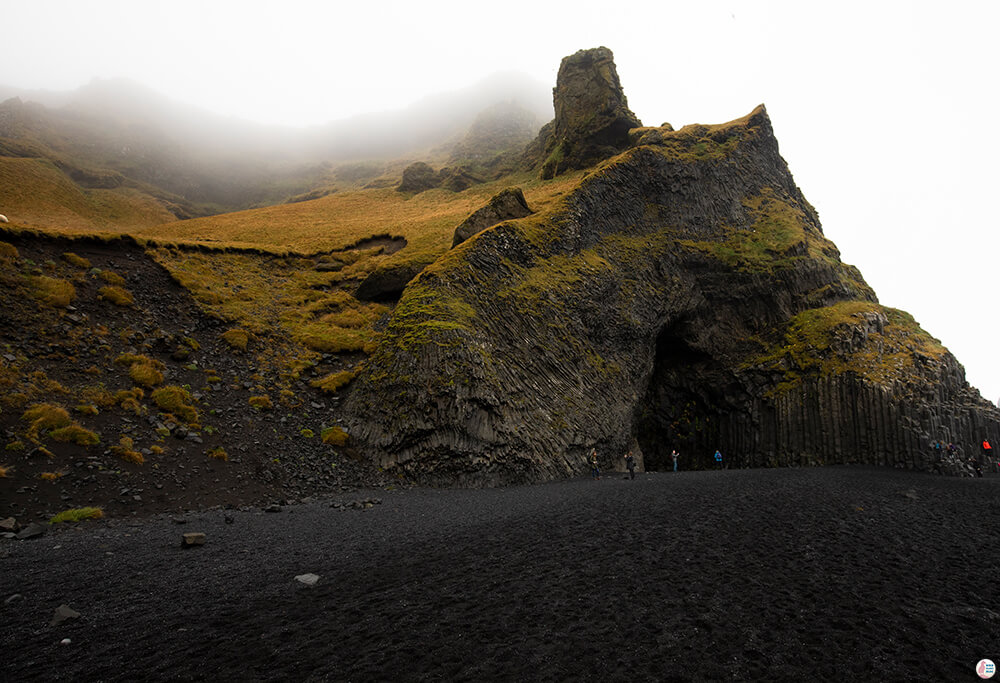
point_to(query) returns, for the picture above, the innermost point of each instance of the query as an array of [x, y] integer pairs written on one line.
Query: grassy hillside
[[35, 192], [427, 220]]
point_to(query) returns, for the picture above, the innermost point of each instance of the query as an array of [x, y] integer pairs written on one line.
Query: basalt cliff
[[681, 296]]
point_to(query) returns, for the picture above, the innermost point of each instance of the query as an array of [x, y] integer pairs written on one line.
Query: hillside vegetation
[[37, 192]]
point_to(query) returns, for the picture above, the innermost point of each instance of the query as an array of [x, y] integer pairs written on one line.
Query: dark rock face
[[386, 284], [592, 115], [504, 206], [682, 296]]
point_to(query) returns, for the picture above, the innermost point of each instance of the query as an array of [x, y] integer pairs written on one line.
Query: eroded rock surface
[[592, 118], [504, 206], [682, 296]]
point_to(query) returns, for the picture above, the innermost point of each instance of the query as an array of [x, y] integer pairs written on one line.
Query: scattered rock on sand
[[192, 539], [9, 524], [307, 579], [33, 530], [62, 613]]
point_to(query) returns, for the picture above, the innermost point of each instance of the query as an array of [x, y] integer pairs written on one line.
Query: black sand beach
[[838, 574]]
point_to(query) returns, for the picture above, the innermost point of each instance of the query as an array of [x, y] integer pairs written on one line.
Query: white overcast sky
[[885, 111]]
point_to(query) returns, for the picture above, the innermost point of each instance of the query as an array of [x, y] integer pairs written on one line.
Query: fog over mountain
[[225, 163]]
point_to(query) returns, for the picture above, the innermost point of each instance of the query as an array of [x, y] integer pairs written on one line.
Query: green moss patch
[[77, 515], [822, 342]]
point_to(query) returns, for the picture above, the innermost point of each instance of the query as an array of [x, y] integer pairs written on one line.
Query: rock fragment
[[63, 613], [307, 579], [192, 539]]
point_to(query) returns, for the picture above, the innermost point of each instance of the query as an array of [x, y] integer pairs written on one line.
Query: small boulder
[[507, 205], [307, 579], [33, 530], [63, 613], [9, 524], [192, 539]]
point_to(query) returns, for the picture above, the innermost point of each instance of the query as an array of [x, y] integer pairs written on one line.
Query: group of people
[[951, 454], [595, 467]]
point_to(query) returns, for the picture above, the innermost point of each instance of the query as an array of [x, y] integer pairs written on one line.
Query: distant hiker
[[595, 470], [630, 464], [976, 466], [673, 456], [987, 450], [718, 459]]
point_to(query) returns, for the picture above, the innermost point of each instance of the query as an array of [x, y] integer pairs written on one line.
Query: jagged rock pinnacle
[[592, 115]]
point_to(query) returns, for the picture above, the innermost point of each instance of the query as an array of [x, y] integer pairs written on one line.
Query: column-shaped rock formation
[[682, 296]]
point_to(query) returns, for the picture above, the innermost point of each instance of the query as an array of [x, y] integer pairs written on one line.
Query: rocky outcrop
[[592, 116], [504, 206], [682, 296], [387, 284], [418, 177]]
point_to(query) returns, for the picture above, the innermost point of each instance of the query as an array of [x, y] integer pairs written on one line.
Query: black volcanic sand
[[835, 574]]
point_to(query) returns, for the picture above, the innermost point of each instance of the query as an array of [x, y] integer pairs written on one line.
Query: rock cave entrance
[[685, 405]]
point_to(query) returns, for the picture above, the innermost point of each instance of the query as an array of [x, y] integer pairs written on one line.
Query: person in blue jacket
[[718, 459]]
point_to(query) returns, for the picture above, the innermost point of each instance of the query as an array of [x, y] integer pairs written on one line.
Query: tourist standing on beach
[[595, 470], [674, 455], [718, 459], [630, 464], [987, 450]]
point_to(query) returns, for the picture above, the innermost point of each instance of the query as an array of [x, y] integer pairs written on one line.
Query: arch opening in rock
[[686, 404]]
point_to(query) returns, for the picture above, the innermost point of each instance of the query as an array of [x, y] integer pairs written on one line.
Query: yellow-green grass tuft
[[77, 515], [97, 396], [126, 451], [51, 291], [175, 400], [8, 251], [237, 338], [334, 381], [112, 278], [51, 476], [77, 261], [44, 417], [6, 471], [334, 436], [145, 374], [74, 433], [261, 402], [116, 295], [218, 453]]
